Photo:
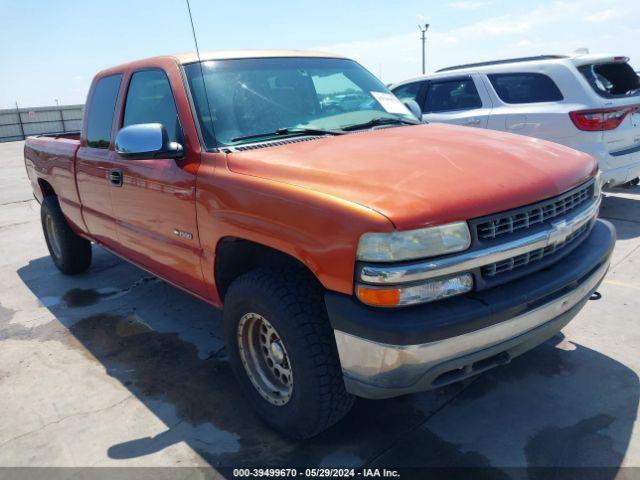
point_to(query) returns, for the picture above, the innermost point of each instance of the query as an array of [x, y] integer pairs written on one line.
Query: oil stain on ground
[[211, 415], [160, 366], [85, 297], [423, 448], [80, 297], [581, 444]]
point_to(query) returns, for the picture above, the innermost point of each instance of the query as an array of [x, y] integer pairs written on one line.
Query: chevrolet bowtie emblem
[[559, 232]]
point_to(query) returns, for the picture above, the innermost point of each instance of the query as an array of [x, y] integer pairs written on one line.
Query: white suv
[[585, 101]]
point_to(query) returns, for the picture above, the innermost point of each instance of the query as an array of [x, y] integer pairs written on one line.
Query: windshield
[[272, 96]]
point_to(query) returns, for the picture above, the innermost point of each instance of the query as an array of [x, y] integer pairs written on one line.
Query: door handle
[[115, 176], [473, 121]]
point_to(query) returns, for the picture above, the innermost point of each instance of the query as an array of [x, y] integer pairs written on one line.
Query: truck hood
[[425, 174]]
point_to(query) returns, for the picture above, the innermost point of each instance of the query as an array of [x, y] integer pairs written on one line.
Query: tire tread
[[76, 251], [301, 297]]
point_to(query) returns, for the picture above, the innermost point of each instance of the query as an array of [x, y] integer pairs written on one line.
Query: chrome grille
[[523, 218], [525, 259]]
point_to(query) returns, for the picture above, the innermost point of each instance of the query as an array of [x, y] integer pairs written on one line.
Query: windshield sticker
[[390, 103]]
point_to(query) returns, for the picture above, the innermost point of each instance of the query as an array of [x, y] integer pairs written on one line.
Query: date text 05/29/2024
[[315, 473]]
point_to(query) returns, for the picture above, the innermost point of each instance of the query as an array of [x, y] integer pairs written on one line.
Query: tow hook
[[595, 296]]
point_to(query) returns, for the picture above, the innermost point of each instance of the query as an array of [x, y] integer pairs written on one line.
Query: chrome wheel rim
[[265, 358], [52, 235]]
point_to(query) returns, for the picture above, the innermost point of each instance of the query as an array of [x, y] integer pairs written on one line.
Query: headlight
[[397, 296], [413, 244]]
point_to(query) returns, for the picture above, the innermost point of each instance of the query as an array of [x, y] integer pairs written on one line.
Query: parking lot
[[117, 368]]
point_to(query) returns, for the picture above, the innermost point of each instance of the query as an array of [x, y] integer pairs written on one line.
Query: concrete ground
[[117, 368]]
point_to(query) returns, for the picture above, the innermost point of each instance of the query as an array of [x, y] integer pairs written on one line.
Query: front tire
[[283, 352], [70, 253]]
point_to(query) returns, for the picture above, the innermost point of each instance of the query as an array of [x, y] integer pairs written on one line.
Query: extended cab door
[[461, 99], [154, 203], [94, 160]]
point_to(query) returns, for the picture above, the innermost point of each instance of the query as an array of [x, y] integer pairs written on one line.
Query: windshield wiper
[[288, 131], [374, 122]]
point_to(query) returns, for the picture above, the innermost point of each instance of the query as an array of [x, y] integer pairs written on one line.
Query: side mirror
[[145, 141], [414, 108]]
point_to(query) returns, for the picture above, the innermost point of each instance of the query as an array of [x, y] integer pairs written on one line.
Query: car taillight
[[600, 119]]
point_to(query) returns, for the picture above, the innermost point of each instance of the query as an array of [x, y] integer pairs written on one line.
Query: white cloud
[[501, 26], [468, 4], [602, 16], [550, 27]]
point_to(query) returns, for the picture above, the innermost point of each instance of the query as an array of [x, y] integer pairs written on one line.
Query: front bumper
[[386, 353]]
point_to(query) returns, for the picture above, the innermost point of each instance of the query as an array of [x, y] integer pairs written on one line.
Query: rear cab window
[[612, 80], [100, 112], [525, 88], [450, 95]]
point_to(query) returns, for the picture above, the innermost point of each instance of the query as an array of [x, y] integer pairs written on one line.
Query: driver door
[[154, 202]]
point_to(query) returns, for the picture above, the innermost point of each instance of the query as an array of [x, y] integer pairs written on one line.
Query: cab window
[[100, 111], [150, 100]]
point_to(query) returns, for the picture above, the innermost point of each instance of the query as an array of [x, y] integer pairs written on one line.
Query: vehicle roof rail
[[507, 60]]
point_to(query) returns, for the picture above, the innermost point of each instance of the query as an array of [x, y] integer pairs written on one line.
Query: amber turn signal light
[[378, 297]]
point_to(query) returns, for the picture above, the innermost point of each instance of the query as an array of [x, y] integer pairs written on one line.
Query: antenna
[[204, 87], [193, 30]]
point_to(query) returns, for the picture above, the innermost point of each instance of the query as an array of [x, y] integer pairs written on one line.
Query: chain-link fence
[[17, 124]]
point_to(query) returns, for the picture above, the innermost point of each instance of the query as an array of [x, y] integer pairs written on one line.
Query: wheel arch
[[235, 256], [45, 188]]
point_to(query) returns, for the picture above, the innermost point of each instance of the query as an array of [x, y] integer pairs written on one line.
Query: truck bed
[[66, 135], [50, 164]]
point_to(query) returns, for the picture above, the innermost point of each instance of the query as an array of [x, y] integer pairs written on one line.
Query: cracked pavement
[[117, 368]]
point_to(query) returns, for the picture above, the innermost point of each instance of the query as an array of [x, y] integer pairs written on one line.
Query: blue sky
[[51, 49]]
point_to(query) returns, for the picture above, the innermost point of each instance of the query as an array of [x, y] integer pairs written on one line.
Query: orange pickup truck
[[356, 251]]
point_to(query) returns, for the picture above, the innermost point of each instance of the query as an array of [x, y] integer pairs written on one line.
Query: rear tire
[[305, 395], [70, 253]]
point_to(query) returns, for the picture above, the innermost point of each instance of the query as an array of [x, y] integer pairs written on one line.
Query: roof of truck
[[230, 54], [190, 57]]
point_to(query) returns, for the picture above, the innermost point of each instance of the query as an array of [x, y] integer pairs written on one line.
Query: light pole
[[423, 30]]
